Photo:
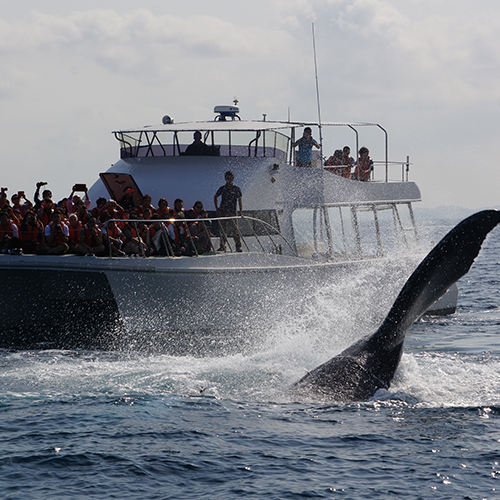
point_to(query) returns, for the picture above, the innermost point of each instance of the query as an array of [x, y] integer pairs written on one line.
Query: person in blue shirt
[[305, 143]]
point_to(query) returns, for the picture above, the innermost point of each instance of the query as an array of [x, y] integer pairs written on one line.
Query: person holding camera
[[46, 194]]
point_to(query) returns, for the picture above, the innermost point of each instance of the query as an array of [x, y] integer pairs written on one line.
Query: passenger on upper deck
[[305, 143], [335, 159], [364, 166], [347, 161], [333, 163], [198, 147]]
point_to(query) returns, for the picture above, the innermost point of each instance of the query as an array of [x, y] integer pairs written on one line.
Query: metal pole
[[317, 97]]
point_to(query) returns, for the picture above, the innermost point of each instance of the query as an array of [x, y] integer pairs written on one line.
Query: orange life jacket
[[74, 233], [58, 237], [9, 230], [89, 239], [31, 233]]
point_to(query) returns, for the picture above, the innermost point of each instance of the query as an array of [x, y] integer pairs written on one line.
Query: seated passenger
[[90, 239], [198, 147], [163, 209], [45, 212], [200, 230], [112, 209], [46, 194], [74, 227], [146, 214], [16, 203], [63, 208], [4, 200], [113, 237], [178, 208], [364, 166], [74, 198], [9, 233], [145, 204], [127, 200], [56, 237], [31, 233], [133, 244], [95, 212], [179, 239]]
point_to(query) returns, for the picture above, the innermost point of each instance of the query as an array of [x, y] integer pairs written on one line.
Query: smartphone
[[20, 194], [80, 187]]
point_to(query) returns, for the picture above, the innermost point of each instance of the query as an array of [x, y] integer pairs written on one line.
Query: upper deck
[[261, 155]]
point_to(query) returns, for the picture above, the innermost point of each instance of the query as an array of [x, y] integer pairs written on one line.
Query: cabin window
[[234, 143]]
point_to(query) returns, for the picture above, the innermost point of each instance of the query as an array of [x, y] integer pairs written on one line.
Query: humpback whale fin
[[369, 364]]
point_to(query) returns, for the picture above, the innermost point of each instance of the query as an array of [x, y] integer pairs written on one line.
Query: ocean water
[[136, 426]]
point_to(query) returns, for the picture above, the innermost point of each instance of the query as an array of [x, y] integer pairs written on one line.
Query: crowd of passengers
[[73, 226]]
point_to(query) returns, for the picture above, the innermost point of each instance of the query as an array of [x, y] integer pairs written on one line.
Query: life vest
[[128, 227], [179, 233], [31, 233], [58, 237], [9, 230], [45, 218], [141, 209], [113, 232], [165, 213], [74, 233], [88, 238]]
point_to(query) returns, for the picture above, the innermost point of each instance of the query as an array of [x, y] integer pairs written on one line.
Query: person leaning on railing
[[364, 166]]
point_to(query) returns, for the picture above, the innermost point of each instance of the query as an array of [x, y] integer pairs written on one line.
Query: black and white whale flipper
[[369, 364]]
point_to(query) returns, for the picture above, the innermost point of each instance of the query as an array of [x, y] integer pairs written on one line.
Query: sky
[[427, 70]]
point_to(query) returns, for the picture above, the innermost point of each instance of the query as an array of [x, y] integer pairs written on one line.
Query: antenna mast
[[317, 95]]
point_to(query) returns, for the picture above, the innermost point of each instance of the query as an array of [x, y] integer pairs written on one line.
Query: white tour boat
[[302, 228]]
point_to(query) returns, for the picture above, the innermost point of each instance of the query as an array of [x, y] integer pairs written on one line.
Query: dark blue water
[[104, 425]]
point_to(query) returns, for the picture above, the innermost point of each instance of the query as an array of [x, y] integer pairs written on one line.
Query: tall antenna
[[317, 94]]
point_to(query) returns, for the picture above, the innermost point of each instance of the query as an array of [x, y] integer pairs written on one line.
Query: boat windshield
[[352, 231], [234, 143]]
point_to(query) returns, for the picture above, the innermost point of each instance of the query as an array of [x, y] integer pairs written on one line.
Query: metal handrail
[[269, 228]]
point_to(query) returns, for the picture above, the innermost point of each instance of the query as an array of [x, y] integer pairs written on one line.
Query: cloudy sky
[[427, 70]]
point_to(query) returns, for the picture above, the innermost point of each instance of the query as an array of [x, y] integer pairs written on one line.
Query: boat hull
[[217, 304]]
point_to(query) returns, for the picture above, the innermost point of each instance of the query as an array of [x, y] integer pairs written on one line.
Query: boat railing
[[380, 174], [255, 235]]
